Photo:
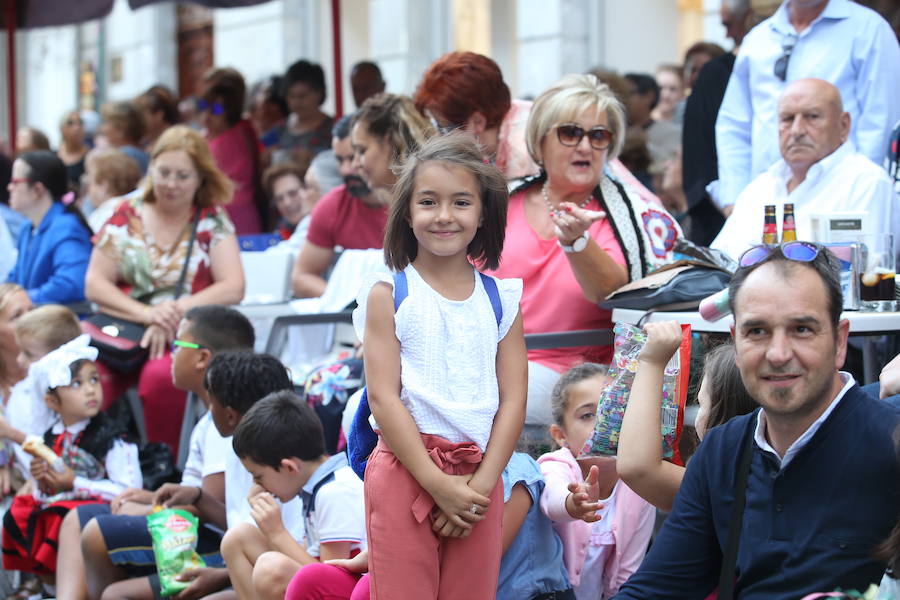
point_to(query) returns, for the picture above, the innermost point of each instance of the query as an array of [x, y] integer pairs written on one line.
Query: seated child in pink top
[[605, 527]]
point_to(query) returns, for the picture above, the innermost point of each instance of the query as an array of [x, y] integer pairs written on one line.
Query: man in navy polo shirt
[[822, 490]]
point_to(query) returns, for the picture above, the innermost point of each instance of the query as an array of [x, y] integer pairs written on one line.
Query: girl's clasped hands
[[458, 506]]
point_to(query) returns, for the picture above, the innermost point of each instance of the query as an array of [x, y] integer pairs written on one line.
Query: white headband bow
[[52, 371]]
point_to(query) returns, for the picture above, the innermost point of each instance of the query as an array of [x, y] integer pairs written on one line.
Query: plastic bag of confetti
[[174, 533], [614, 398]]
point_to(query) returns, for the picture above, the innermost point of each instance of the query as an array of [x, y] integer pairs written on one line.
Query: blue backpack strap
[[362, 439], [490, 286], [401, 289]]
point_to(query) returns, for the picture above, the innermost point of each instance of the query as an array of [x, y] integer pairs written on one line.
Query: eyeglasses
[[570, 134], [182, 344], [214, 108], [787, 48], [797, 251]]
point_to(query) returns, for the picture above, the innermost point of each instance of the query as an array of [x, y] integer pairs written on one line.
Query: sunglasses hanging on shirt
[[787, 49]]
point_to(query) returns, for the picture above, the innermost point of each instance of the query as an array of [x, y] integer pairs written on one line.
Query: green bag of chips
[[174, 534]]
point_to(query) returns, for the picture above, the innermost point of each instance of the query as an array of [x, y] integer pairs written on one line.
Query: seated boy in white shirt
[[281, 443]]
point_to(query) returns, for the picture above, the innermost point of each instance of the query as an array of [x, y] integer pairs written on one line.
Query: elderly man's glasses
[[787, 48], [798, 251], [570, 134], [214, 108]]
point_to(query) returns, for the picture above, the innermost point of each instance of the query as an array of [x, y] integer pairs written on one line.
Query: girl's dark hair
[[727, 395], [306, 72], [48, 169], [456, 149]]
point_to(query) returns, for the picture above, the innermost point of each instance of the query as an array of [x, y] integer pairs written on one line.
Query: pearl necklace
[[553, 210]]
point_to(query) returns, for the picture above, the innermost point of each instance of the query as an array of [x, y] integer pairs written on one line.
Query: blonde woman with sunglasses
[[574, 232]]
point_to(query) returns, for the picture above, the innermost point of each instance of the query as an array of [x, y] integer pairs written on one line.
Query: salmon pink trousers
[[409, 561]]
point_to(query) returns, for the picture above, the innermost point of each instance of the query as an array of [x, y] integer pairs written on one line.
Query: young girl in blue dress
[[446, 377]]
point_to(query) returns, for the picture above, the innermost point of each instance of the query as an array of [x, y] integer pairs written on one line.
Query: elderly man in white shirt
[[820, 171], [839, 41]]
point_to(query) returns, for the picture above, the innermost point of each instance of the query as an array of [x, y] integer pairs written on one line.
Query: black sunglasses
[[570, 134], [798, 251], [787, 48]]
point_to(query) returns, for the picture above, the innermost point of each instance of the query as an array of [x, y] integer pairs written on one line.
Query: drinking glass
[[877, 272]]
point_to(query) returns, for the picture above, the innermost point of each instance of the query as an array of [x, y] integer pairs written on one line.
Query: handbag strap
[[729, 557], [179, 289]]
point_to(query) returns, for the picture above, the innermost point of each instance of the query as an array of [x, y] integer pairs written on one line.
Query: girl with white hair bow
[[95, 462]]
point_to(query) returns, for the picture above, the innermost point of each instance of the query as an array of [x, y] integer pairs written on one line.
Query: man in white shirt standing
[[836, 40], [820, 171]]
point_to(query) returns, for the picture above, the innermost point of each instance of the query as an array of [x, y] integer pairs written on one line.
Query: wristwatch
[[578, 245]]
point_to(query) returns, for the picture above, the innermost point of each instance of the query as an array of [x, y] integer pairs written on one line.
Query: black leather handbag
[[119, 340]]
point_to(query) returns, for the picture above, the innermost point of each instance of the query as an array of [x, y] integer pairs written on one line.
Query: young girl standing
[[97, 463], [446, 376]]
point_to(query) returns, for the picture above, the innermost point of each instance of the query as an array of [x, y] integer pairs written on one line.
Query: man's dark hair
[[341, 128], [645, 83], [824, 264], [239, 379], [277, 427], [220, 328]]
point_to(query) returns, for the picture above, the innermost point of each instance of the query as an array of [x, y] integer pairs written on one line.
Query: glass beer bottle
[[770, 228], [788, 228]]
